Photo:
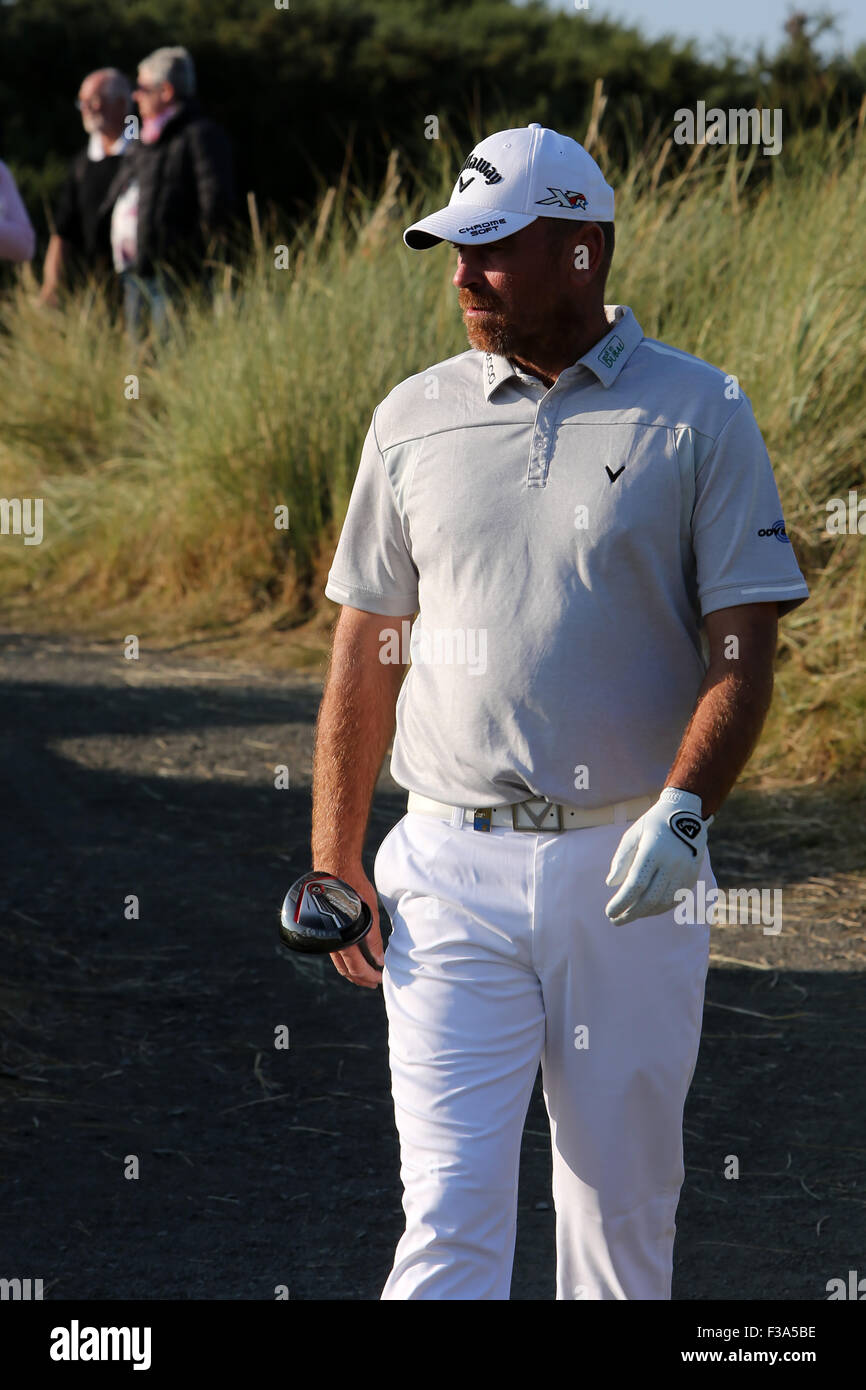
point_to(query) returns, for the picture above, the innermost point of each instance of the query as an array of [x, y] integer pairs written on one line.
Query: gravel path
[[260, 1166]]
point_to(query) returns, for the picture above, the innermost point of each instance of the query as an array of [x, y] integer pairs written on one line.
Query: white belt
[[533, 814]]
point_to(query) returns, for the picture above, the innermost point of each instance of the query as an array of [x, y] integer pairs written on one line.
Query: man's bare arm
[[53, 269], [732, 703], [355, 724]]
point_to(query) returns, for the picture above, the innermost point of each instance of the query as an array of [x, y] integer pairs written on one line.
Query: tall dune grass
[[159, 511]]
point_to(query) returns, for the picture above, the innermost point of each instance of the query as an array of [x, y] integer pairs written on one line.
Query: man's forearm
[[355, 724], [721, 734], [52, 269]]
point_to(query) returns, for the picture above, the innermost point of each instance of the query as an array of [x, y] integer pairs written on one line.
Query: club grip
[[365, 952]]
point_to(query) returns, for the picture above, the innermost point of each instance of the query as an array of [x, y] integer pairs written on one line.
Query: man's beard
[[505, 338], [498, 336]]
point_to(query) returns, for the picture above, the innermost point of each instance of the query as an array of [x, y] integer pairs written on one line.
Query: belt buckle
[[537, 821]]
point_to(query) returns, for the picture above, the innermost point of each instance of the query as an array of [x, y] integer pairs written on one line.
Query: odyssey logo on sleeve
[[778, 530]]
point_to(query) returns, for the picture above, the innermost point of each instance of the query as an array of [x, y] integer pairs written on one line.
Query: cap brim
[[465, 225]]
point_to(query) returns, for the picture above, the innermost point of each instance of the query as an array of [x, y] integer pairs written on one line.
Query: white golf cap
[[509, 180]]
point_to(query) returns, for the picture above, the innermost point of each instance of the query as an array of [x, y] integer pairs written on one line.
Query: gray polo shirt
[[560, 548]]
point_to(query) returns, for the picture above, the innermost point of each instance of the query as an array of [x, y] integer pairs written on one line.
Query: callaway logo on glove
[[661, 853]]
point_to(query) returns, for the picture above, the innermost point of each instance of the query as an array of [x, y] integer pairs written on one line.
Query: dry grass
[[160, 510]]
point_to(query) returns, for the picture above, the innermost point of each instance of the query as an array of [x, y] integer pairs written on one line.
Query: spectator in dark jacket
[[174, 192], [79, 246]]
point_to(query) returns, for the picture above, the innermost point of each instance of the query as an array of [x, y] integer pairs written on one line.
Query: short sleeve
[[742, 551], [373, 568]]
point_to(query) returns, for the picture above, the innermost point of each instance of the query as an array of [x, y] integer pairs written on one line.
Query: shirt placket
[[541, 444]]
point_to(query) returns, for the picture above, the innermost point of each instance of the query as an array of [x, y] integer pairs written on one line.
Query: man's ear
[[581, 253]]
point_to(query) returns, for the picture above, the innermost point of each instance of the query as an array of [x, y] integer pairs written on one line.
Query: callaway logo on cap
[[510, 179]]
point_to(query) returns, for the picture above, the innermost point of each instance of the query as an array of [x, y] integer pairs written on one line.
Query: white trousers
[[501, 956]]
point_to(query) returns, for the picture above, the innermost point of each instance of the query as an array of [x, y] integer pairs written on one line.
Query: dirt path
[[261, 1167]]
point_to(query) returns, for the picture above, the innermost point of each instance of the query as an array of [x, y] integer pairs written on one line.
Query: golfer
[[572, 535]]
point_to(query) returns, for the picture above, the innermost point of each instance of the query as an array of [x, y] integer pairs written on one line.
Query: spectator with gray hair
[[174, 193], [79, 245]]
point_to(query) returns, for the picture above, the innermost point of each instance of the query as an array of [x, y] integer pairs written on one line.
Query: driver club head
[[322, 914]]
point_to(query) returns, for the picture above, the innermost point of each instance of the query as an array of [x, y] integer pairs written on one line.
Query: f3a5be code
[[726, 1334]]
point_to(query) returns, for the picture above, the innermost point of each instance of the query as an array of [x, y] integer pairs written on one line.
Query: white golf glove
[[661, 853]]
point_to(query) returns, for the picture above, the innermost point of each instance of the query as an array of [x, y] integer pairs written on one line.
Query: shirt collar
[[96, 149], [152, 128], [605, 358]]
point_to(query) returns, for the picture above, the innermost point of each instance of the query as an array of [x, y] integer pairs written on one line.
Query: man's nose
[[466, 272]]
